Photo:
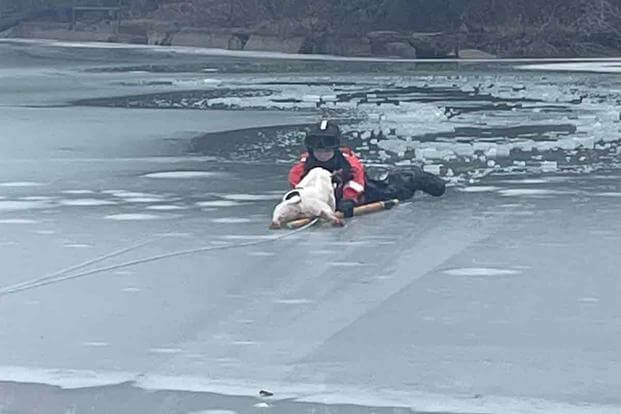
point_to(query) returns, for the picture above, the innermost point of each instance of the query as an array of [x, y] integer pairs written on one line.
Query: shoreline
[[194, 50]]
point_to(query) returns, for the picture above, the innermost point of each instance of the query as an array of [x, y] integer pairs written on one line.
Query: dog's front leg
[[329, 215]]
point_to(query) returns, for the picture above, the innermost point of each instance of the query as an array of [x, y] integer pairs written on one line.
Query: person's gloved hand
[[340, 177], [337, 178], [346, 207]]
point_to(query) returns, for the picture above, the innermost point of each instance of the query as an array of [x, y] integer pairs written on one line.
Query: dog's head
[[289, 209]]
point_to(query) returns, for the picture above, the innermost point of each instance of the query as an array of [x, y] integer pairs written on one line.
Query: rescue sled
[[361, 210]]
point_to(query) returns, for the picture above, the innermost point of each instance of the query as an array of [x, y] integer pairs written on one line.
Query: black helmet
[[324, 135]]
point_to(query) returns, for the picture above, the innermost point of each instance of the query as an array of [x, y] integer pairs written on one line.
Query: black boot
[[418, 179], [402, 184], [395, 185], [399, 186]]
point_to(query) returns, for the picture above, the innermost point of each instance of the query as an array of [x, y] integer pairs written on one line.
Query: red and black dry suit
[[349, 173], [356, 188]]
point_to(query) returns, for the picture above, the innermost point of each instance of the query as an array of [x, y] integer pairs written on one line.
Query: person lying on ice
[[353, 187]]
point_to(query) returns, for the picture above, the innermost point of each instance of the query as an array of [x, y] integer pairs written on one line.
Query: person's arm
[[354, 188], [296, 173]]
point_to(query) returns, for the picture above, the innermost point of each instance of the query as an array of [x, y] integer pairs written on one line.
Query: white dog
[[313, 197]]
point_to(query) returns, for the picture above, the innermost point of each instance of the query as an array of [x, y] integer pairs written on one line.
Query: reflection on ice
[[78, 246], [531, 192], [294, 301], [95, 344], [133, 217], [165, 207], [165, 350], [6, 205], [231, 220], [250, 197], [21, 184], [601, 67], [481, 271], [18, 221], [86, 202], [478, 189], [182, 174], [78, 192], [218, 203], [609, 194]]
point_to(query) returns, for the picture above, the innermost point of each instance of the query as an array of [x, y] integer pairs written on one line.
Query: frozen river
[[500, 297]]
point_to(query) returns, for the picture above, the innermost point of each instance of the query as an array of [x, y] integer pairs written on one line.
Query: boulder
[[607, 39], [131, 33], [158, 37], [274, 43], [348, 46], [379, 39], [400, 49], [434, 45], [538, 49], [475, 54], [238, 41], [201, 38], [386, 36]]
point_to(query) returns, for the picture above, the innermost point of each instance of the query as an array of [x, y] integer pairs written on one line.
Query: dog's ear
[[292, 197], [296, 199]]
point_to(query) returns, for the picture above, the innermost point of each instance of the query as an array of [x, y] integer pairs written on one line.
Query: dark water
[[459, 120], [125, 398]]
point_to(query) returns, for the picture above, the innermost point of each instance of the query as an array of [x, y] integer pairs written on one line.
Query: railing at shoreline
[[112, 7], [11, 18], [13, 12]]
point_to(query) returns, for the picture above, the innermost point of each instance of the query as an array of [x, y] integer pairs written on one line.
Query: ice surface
[[501, 297]]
